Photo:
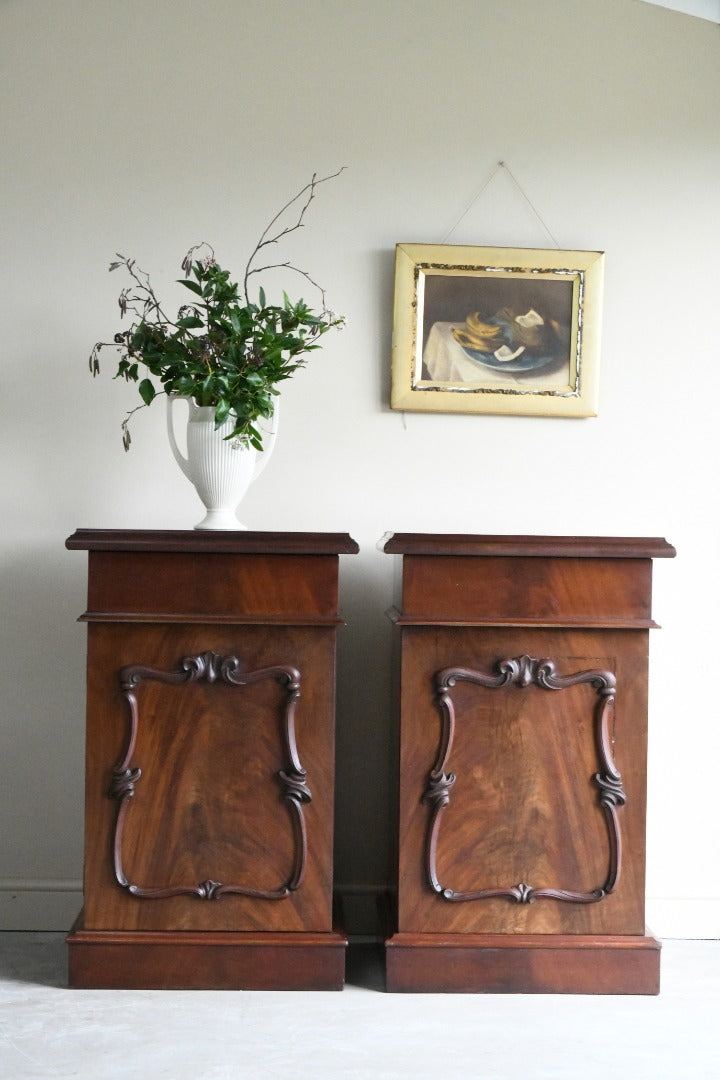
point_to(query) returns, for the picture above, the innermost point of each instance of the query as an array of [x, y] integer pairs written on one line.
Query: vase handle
[[182, 461], [269, 439]]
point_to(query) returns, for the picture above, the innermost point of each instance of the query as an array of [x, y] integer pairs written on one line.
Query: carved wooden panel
[[234, 801], [511, 785], [294, 789], [524, 671]]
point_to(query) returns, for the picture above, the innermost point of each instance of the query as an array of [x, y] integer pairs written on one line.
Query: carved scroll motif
[[525, 671], [211, 667]]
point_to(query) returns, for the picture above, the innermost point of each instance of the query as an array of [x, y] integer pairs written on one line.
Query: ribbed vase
[[220, 469]]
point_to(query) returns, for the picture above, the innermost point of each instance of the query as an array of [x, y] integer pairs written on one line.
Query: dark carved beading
[[524, 671], [437, 791], [123, 783], [294, 786], [212, 667], [207, 890], [523, 893]]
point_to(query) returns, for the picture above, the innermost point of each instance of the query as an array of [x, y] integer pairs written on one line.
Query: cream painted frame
[[572, 389]]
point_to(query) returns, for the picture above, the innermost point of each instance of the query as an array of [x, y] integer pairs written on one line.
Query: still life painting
[[496, 330]]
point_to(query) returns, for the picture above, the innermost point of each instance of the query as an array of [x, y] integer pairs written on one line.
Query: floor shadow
[[365, 966], [39, 959]]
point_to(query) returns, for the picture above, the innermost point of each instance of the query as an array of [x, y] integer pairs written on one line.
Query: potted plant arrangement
[[224, 354]]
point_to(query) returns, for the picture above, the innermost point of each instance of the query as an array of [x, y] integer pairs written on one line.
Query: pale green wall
[[144, 127]]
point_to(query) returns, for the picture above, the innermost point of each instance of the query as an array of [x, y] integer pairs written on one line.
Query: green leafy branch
[[221, 349]]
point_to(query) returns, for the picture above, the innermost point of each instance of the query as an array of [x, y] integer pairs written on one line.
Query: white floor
[[48, 1031]]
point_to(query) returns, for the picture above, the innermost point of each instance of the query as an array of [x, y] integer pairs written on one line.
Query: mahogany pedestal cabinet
[[209, 761], [523, 735]]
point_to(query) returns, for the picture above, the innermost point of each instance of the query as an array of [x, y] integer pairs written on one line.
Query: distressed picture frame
[[496, 330]]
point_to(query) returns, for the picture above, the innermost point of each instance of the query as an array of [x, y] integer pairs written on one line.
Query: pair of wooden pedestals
[[210, 763]]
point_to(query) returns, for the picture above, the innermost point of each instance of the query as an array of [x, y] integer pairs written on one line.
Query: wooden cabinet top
[[566, 581], [576, 547], [197, 576], [193, 541]]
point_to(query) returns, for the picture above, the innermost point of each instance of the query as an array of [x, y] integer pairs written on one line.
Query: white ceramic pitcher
[[220, 469]]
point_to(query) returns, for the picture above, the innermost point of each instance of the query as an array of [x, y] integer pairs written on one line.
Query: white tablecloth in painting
[[447, 361]]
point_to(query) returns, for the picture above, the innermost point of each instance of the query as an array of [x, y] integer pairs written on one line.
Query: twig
[[146, 297], [295, 269], [266, 241]]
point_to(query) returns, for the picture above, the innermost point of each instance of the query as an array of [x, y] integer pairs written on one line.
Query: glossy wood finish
[[113, 960], [217, 543], [523, 764], [541, 590], [209, 761], [581, 547], [498, 964]]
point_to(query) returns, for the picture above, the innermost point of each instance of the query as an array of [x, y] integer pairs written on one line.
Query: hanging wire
[[501, 165]]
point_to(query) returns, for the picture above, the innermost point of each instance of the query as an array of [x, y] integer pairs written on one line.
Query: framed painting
[[496, 330]]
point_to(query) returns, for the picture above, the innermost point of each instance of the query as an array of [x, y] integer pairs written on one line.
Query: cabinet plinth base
[[522, 964], [182, 960]]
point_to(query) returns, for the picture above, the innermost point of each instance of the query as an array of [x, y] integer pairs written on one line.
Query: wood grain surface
[[522, 770], [209, 781]]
